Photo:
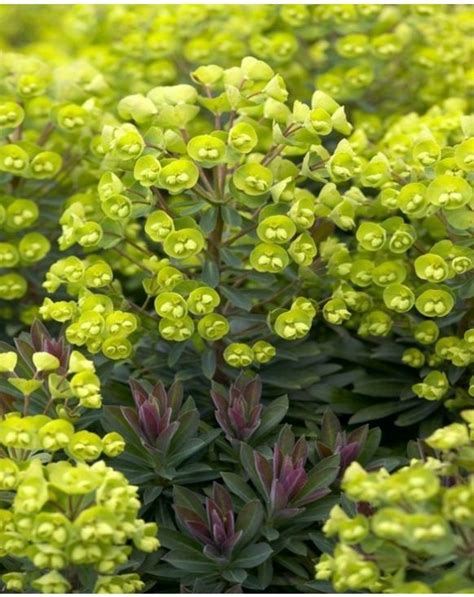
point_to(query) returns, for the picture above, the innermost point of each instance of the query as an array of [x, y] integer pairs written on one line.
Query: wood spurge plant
[[236, 299]]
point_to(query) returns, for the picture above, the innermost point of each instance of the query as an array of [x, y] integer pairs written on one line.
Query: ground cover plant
[[236, 299]]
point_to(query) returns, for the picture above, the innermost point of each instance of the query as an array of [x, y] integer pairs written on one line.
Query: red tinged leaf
[[221, 497], [140, 395], [238, 412], [348, 454]]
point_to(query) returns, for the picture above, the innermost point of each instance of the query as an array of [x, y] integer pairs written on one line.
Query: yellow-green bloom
[[433, 387], [51, 527], [269, 257], [253, 179], [178, 176], [33, 247], [9, 474], [113, 444], [464, 155], [21, 213], [207, 149], [203, 300], [85, 446], [303, 250], [335, 311], [213, 327], [361, 272], [293, 324], [11, 114], [158, 225], [413, 357], [52, 582], [171, 305], [46, 164], [426, 332], [184, 243], [146, 170], [117, 207], [55, 435], [13, 159], [71, 117], [372, 237], [413, 199], [263, 351], [375, 323], [431, 267], [276, 229], [449, 192], [450, 437], [238, 355], [117, 347], [398, 297], [435, 303], [242, 137], [14, 581], [177, 330], [388, 273]]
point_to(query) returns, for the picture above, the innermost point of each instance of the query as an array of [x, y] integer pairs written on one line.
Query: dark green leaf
[[253, 555]]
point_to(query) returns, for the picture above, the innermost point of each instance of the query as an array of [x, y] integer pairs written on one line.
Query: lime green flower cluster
[[201, 197], [390, 55], [63, 516], [410, 267], [93, 320], [23, 437], [418, 536]]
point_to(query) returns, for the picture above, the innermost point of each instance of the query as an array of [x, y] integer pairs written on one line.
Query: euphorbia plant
[[223, 547], [202, 193]]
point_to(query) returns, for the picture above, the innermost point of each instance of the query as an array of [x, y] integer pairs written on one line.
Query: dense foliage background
[[236, 298]]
